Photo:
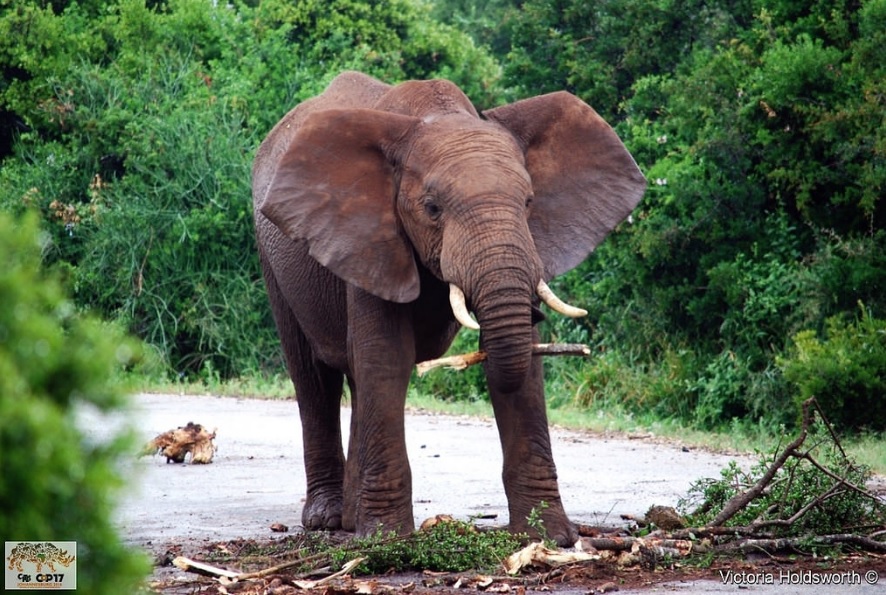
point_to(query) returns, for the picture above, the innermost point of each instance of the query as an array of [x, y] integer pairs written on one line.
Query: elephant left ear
[[584, 179]]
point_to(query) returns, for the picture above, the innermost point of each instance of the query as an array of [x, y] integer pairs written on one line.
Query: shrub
[[58, 483], [447, 546], [845, 370]]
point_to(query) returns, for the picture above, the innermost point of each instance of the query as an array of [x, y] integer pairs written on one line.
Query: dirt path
[[257, 477]]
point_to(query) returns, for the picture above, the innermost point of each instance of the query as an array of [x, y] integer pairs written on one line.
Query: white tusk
[[556, 304], [457, 301]]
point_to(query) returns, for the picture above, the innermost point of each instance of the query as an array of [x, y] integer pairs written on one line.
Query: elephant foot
[[322, 512], [370, 522], [553, 524]]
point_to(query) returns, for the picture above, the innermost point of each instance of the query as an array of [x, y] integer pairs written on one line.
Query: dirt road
[[256, 479]]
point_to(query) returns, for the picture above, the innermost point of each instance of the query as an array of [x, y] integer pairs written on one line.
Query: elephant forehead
[[461, 133], [477, 157]]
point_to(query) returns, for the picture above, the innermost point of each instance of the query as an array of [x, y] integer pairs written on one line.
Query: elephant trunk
[[498, 270], [504, 312]]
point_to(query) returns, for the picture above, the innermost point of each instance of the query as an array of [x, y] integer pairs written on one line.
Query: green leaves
[[144, 119], [762, 147], [844, 368], [59, 480], [446, 546]]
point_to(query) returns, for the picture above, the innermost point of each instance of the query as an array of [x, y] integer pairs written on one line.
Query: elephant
[[386, 214]]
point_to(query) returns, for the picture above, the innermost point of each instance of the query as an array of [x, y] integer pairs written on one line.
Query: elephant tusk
[[556, 304], [460, 309]]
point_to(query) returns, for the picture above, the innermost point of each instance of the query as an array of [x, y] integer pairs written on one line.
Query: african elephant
[[376, 203]]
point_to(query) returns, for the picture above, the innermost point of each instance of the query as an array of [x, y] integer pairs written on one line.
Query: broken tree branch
[[189, 565], [799, 543], [460, 362], [738, 502], [841, 480], [176, 444]]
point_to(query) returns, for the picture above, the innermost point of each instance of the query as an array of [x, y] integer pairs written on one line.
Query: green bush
[[58, 482], [844, 369], [447, 546], [144, 119]]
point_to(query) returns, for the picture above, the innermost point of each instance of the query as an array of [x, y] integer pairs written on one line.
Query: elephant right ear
[[334, 188]]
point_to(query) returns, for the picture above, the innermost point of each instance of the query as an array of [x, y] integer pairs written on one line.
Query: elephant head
[[494, 206]]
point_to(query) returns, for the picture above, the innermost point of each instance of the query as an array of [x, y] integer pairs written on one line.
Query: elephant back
[[347, 90]]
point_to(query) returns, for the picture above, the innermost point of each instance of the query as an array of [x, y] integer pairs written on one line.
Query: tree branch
[[460, 362], [739, 501]]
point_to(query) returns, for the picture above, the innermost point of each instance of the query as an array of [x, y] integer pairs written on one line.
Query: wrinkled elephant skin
[[374, 203]]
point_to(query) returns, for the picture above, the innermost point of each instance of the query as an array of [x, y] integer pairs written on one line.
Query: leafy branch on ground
[[809, 494], [447, 546]]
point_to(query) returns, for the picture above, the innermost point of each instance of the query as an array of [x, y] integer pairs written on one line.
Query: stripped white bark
[[460, 362]]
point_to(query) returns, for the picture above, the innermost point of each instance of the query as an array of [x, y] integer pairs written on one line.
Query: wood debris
[[176, 444], [538, 554], [189, 565]]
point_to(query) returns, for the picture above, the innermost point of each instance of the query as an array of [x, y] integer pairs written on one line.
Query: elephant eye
[[432, 208], [528, 201]]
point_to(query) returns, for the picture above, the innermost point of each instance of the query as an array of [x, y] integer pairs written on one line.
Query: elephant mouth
[[547, 295]]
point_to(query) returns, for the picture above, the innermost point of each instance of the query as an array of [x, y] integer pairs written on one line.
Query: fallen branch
[[622, 544], [800, 543], [346, 569], [189, 565], [740, 501], [460, 362], [286, 566]]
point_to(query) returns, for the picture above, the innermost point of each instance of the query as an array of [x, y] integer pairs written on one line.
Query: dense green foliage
[[58, 482], [760, 126], [846, 369], [141, 125], [759, 123]]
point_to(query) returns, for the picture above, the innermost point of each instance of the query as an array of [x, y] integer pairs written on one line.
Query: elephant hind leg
[[318, 390]]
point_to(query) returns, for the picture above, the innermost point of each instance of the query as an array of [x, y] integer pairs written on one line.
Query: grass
[[867, 449], [253, 386]]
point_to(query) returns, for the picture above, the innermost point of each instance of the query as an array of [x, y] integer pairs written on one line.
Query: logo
[[42, 565]]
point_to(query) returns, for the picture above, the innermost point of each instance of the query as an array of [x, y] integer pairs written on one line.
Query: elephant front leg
[[529, 474], [382, 354]]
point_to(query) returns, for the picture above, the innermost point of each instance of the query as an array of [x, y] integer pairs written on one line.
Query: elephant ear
[[584, 180], [334, 188]]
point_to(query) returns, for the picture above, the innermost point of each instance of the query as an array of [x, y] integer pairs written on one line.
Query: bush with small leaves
[[59, 481]]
